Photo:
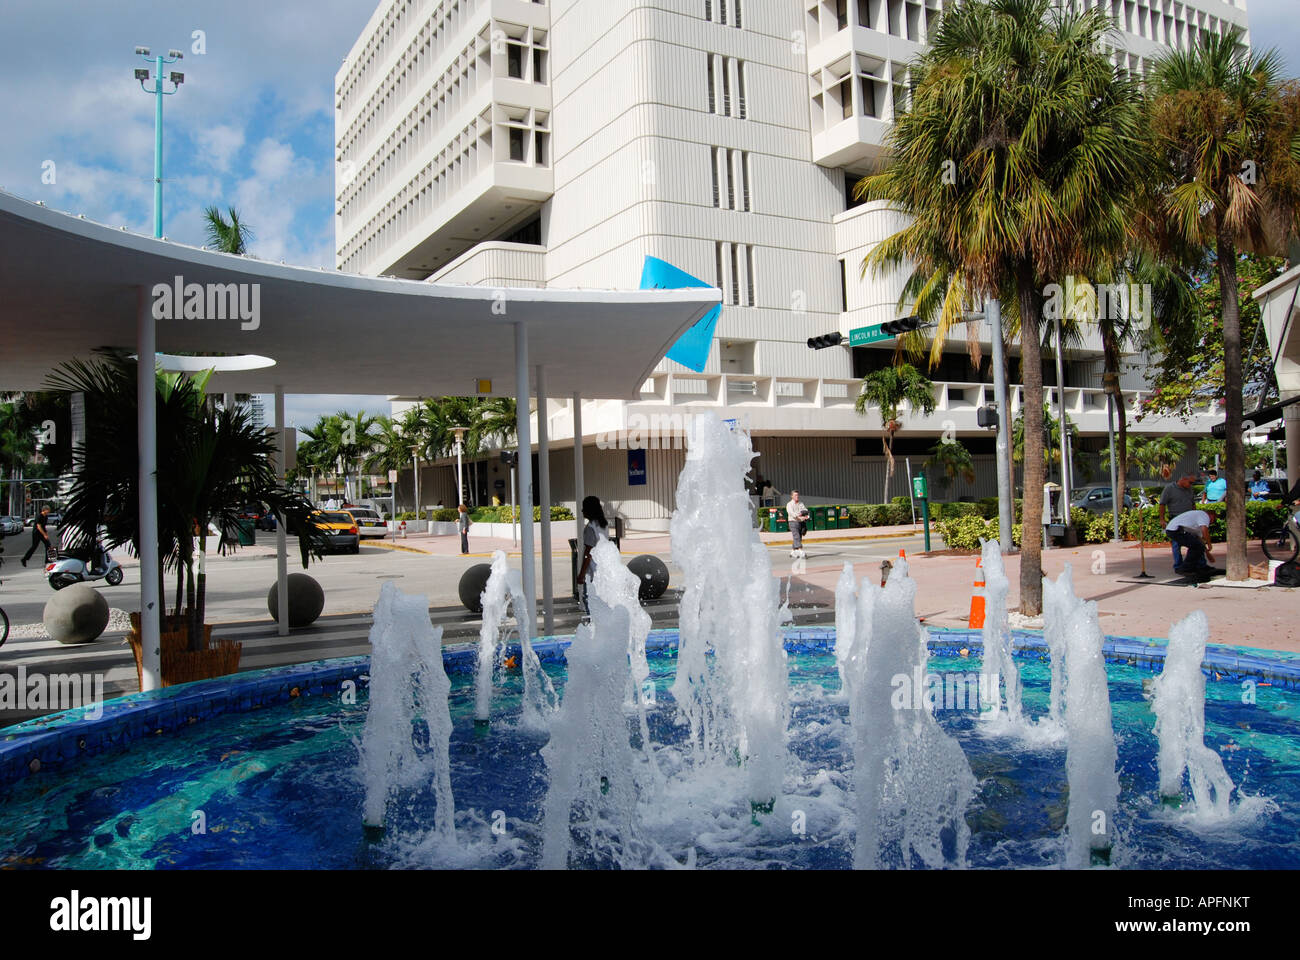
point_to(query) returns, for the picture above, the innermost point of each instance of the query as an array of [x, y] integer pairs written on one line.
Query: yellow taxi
[[341, 530]]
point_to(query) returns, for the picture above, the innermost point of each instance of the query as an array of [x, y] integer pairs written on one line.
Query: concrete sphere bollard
[[306, 600], [653, 575], [472, 584], [76, 614]]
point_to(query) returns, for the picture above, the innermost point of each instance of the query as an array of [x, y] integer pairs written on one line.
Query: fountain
[[731, 685], [539, 693], [1179, 706], [495, 601], [590, 763], [1090, 752], [999, 665], [408, 686], [912, 780]]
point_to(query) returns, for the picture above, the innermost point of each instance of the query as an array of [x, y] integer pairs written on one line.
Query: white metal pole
[[460, 476], [544, 492], [1065, 435], [579, 482], [514, 529], [147, 450], [1117, 490], [1006, 495], [415, 472], [524, 431], [281, 546]]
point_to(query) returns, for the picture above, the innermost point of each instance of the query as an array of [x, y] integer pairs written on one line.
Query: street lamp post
[[176, 78], [460, 445], [415, 473]]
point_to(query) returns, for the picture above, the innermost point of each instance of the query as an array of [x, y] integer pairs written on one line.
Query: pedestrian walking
[[40, 534], [596, 530], [462, 523], [1177, 498], [797, 514]]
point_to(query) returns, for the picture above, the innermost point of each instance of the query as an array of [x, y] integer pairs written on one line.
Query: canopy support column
[[281, 547], [544, 497], [579, 492], [147, 449], [527, 560]]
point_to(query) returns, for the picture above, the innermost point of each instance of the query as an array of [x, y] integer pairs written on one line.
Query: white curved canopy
[[69, 285]]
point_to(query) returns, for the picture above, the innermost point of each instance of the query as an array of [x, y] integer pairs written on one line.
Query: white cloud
[[220, 143]]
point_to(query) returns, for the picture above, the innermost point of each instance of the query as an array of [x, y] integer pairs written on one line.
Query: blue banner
[[636, 468], [692, 347]]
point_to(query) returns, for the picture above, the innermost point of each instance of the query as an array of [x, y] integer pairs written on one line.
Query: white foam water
[[1179, 706], [1090, 752], [408, 683], [732, 685], [999, 664], [495, 601], [913, 782], [593, 770], [539, 693]]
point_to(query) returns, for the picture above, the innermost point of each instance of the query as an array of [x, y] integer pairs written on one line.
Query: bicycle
[[1283, 543]]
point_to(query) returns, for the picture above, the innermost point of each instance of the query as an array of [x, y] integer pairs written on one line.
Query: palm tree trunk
[[1110, 353], [1234, 467], [1031, 372], [201, 594]]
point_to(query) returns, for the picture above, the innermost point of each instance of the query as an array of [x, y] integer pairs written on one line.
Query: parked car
[[262, 518], [53, 520], [1096, 499], [341, 530], [10, 526], [369, 523]]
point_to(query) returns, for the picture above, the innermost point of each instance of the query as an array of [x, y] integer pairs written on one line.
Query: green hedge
[[503, 514], [1261, 516]]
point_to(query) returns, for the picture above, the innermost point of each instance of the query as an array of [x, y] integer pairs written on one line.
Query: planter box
[[179, 664]]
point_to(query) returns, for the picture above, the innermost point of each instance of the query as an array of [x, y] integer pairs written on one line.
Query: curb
[[394, 546]]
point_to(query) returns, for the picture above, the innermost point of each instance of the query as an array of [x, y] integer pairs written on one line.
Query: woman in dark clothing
[[597, 529]]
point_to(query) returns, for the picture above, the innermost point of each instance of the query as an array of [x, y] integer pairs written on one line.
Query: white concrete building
[[515, 143]]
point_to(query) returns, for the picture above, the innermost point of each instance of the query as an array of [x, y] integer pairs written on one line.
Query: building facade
[[515, 143]]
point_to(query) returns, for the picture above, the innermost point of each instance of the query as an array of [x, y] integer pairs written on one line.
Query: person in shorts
[[797, 514]]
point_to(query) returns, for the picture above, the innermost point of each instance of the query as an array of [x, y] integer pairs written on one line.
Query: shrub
[[446, 515], [964, 533], [1099, 529]]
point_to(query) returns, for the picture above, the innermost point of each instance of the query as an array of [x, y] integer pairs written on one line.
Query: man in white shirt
[[1191, 530], [797, 514]]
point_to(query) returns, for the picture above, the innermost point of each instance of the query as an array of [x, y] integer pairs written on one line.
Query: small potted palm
[[211, 462]]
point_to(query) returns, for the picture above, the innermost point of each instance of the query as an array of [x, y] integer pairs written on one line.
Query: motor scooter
[[83, 567]]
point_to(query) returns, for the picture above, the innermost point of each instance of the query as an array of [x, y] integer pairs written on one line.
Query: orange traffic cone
[[977, 596], [902, 554]]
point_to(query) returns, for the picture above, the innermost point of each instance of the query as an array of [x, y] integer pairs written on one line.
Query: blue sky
[[252, 127]]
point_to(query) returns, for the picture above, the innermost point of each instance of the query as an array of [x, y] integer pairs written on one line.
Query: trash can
[[246, 532], [843, 521], [780, 523]]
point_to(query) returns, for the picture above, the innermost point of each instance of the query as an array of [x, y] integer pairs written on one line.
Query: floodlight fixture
[[142, 51]]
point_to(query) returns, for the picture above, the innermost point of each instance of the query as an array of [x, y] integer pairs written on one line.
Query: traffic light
[[987, 416], [901, 325], [826, 340], [510, 457]]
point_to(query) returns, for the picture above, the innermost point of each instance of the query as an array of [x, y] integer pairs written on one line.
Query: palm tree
[[216, 463], [227, 236], [1051, 438], [1224, 132], [952, 460], [888, 388], [17, 445], [390, 448], [1013, 164]]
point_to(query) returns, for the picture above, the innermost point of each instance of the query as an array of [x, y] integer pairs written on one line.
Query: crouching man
[[1191, 530]]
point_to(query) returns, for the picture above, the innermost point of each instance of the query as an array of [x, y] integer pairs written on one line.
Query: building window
[[737, 6], [713, 106], [708, 9], [726, 86], [744, 181], [735, 277], [846, 98], [516, 144], [749, 273], [539, 66], [722, 11], [539, 148], [844, 287], [530, 232], [740, 87], [713, 163], [515, 61], [731, 191], [717, 254], [841, 14]]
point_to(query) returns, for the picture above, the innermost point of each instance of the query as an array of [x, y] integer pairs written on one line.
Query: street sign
[[859, 336], [392, 476], [919, 487]]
